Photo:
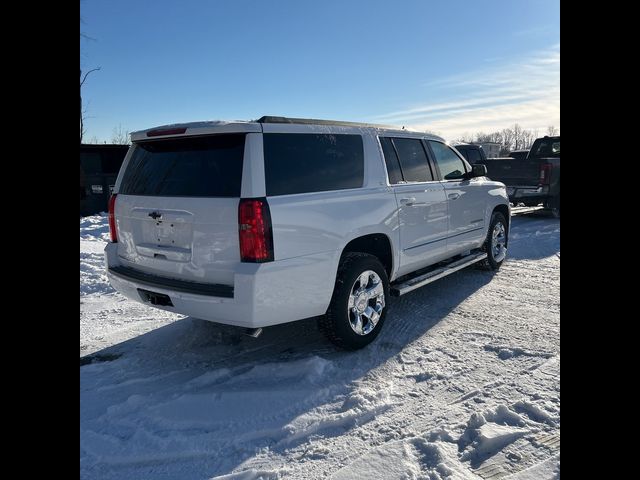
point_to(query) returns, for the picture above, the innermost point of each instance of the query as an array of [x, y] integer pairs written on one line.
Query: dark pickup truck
[[99, 166], [532, 180]]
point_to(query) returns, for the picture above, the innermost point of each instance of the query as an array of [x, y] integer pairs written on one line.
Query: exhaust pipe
[[253, 332]]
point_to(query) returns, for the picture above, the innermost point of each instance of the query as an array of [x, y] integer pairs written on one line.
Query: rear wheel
[[496, 243], [358, 306]]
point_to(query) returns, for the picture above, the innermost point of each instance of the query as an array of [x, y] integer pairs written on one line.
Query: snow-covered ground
[[462, 383]]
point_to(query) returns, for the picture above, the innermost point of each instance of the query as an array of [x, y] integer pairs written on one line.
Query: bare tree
[[82, 80], [552, 131], [120, 136], [507, 139], [518, 136]]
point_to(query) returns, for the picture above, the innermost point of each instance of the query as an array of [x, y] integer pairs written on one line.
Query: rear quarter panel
[[320, 222]]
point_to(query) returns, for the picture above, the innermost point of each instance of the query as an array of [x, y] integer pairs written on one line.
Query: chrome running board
[[409, 285]]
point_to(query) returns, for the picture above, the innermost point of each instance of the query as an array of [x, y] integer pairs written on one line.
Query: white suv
[[279, 219]]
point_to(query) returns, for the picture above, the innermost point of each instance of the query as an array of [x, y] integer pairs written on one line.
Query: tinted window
[[413, 160], [473, 155], [111, 160], [391, 159], [450, 164], [463, 151], [302, 162], [90, 162], [548, 148], [196, 167]]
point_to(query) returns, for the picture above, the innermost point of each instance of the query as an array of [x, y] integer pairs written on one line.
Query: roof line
[[315, 121]]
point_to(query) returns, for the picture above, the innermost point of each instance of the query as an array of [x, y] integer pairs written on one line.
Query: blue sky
[[453, 67]]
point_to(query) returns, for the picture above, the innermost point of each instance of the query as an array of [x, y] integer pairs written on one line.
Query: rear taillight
[[545, 174], [112, 218], [256, 238]]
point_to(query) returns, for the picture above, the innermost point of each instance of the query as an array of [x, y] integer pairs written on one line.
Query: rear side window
[[208, 166], [391, 159], [304, 163], [414, 165], [450, 165]]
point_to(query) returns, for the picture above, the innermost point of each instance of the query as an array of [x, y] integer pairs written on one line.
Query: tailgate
[[186, 238], [176, 208], [514, 172]]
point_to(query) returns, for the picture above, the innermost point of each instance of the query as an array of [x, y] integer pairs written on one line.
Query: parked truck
[[99, 166], [532, 180]]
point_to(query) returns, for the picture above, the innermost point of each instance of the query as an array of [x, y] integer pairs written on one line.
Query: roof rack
[[313, 121]]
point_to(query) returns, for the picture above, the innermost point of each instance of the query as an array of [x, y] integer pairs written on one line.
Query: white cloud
[[525, 92]]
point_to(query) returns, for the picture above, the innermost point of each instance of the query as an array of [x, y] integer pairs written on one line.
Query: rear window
[[303, 163], [112, 160], [473, 155], [102, 160], [548, 148], [91, 162], [186, 167]]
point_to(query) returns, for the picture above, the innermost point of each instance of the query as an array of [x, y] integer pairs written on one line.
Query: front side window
[[451, 165], [307, 162]]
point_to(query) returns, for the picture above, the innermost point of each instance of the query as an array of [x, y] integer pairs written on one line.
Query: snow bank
[[94, 234]]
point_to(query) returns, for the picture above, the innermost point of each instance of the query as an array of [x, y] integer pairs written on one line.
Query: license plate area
[[154, 298]]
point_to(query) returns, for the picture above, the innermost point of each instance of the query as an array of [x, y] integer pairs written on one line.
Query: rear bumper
[[263, 294], [525, 192]]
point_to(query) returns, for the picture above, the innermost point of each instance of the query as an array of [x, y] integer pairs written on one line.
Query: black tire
[[336, 323], [491, 263]]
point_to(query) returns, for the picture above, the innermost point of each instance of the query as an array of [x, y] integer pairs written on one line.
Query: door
[[466, 200], [421, 201]]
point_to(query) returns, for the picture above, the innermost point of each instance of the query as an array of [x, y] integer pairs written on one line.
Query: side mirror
[[478, 170]]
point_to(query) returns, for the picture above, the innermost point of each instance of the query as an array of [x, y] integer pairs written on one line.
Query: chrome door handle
[[408, 201], [454, 196]]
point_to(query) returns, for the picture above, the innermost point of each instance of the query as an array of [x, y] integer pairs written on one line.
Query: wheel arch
[[376, 244], [504, 210]]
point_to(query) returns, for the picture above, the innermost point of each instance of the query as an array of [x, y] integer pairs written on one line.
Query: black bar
[[209, 289]]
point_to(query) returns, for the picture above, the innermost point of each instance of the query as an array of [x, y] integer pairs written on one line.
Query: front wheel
[[358, 306], [496, 243]]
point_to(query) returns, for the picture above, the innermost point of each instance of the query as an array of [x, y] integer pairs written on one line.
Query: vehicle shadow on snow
[[223, 397]]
